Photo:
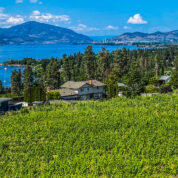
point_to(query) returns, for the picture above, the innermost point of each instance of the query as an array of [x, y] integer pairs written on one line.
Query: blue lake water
[[18, 52]]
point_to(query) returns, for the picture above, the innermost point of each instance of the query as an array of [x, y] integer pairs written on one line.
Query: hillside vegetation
[[116, 138]]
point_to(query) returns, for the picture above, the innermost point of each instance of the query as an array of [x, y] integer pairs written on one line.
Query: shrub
[[165, 89], [151, 89], [54, 95], [153, 81]]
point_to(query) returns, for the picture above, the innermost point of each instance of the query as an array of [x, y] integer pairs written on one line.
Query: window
[[81, 89], [97, 88]]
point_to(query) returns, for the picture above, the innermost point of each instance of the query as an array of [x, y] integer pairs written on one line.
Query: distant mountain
[[39, 33], [146, 37]]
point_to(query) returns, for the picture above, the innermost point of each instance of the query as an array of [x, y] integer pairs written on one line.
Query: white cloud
[[48, 17], [110, 27], [33, 1], [7, 20], [36, 13], [137, 19], [15, 20], [3, 16], [82, 27], [127, 27], [19, 1]]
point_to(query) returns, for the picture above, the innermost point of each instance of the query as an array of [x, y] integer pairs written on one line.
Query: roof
[[74, 85], [77, 85], [121, 85], [164, 77], [38, 102], [67, 92], [5, 99]]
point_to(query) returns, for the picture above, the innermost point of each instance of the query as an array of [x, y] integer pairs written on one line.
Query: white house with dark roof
[[84, 90]]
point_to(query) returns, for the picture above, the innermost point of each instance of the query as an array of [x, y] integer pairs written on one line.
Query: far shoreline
[[13, 65]]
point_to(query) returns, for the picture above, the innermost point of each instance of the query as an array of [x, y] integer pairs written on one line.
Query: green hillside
[[116, 138]]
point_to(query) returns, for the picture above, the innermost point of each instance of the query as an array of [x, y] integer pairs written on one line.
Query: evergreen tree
[[135, 80], [40, 75], [28, 77], [89, 63], [103, 64], [1, 87], [121, 58], [34, 93], [174, 76], [112, 83], [67, 75], [53, 75], [157, 65], [16, 82]]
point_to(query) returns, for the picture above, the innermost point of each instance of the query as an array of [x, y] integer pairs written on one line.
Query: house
[[84, 90], [164, 79], [4, 104]]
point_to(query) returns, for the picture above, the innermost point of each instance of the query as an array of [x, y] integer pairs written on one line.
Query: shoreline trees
[[137, 69]]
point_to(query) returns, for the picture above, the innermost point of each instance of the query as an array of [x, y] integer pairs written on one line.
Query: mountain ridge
[[158, 36], [33, 32]]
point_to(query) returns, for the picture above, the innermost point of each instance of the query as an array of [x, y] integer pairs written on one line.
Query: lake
[[18, 52]]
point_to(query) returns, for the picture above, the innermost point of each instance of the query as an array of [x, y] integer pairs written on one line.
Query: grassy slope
[[124, 138]]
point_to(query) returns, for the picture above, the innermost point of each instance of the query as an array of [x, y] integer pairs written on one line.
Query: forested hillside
[[137, 69], [115, 138]]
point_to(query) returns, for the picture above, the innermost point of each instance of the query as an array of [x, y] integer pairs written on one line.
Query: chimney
[[90, 82]]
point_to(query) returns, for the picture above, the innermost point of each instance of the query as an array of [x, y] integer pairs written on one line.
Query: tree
[[157, 65], [53, 75], [174, 76], [34, 93], [67, 75], [174, 79], [135, 80], [28, 76], [40, 75], [89, 63], [103, 64], [121, 58], [1, 87], [112, 83], [16, 82]]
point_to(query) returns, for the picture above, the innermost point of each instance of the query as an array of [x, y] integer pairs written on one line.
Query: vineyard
[[115, 138]]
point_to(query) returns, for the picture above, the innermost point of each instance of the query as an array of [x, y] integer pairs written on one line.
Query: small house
[[164, 79]]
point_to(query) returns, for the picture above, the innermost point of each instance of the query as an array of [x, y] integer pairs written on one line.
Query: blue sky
[[94, 17]]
